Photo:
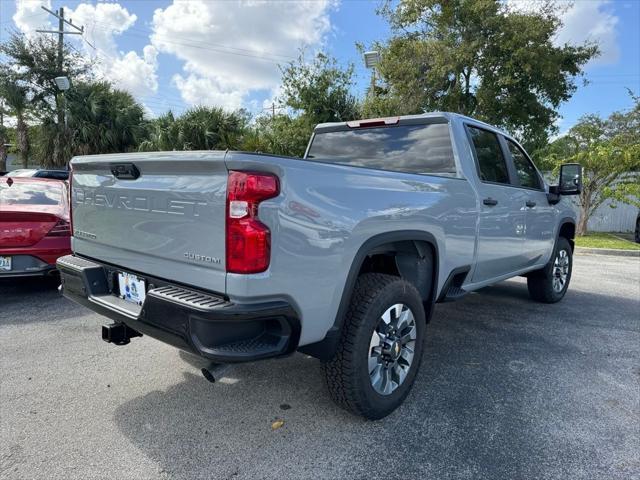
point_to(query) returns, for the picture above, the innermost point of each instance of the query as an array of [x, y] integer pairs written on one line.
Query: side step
[[454, 293], [452, 289]]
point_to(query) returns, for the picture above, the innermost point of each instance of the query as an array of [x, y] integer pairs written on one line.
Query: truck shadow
[[504, 386], [31, 300]]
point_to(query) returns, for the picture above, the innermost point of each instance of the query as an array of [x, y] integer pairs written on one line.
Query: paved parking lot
[[508, 389]]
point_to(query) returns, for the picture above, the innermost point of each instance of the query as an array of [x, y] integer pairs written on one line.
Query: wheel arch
[[400, 244], [567, 230]]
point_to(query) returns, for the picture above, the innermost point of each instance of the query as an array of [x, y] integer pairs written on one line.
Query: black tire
[[541, 282], [347, 373], [637, 236]]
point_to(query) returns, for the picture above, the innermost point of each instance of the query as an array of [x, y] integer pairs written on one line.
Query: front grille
[[189, 298]]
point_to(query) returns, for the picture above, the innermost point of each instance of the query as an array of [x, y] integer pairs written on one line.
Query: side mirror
[[570, 179]]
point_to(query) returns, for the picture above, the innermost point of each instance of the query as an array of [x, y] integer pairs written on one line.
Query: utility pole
[[273, 109], [61, 32]]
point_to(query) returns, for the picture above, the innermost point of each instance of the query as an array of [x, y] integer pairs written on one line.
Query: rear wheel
[[549, 284], [380, 349]]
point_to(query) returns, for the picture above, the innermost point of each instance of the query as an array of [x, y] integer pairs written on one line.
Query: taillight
[[70, 198], [248, 240], [60, 229]]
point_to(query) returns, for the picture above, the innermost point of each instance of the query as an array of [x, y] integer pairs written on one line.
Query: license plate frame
[[5, 263], [132, 288]]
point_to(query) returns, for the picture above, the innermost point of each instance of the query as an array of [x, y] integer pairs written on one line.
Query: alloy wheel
[[392, 348], [560, 271]]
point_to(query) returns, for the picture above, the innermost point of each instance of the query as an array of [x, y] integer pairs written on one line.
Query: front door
[[502, 222], [541, 216]]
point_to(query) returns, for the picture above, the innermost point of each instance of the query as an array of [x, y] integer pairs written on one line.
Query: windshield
[[422, 149], [21, 173]]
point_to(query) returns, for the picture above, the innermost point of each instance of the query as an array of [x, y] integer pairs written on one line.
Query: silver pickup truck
[[341, 255]]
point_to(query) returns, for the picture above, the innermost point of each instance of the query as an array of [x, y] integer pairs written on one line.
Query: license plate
[[5, 263], [132, 288]]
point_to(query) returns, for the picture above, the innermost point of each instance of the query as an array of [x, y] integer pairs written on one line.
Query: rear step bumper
[[202, 323]]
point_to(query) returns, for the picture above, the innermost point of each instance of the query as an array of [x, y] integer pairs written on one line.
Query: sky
[[174, 54]]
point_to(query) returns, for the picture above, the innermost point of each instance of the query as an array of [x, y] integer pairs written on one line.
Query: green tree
[[609, 152], [17, 103], [279, 135], [33, 65], [200, 128], [4, 150], [479, 58], [102, 119], [312, 92], [319, 90], [161, 134]]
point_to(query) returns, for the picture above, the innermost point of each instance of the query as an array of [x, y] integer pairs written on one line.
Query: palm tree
[[102, 119], [161, 135], [16, 101], [200, 128]]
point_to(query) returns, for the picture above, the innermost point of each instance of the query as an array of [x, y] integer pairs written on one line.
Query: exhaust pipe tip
[[215, 371]]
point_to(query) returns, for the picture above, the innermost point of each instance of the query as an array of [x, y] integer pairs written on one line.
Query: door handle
[[530, 203], [125, 171], [490, 201]]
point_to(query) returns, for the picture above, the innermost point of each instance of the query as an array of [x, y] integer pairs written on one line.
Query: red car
[[34, 226]]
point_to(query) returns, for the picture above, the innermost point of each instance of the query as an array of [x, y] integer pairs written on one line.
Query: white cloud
[[129, 71], [583, 21], [30, 16], [103, 22], [136, 74], [231, 49], [590, 21], [198, 90]]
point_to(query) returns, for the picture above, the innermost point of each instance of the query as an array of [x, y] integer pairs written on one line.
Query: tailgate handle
[[125, 171]]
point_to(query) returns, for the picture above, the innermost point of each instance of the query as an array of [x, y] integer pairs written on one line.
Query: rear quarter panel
[[326, 212]]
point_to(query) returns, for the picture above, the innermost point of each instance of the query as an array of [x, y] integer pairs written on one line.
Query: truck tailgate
[[153, 213]]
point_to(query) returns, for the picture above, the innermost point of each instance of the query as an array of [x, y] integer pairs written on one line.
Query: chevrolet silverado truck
[[341, 254]]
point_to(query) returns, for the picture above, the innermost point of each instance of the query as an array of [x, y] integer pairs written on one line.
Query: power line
[[245, 50], [213, 47]]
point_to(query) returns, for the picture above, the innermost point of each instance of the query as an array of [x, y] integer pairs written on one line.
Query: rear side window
[[422, 149], [527, 175], [55, 174], [30, 193], [491, 163]]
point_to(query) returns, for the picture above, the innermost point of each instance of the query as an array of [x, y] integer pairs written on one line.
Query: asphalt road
[[508, 389]]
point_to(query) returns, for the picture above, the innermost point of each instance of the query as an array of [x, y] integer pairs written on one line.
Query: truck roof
[[444, 116]]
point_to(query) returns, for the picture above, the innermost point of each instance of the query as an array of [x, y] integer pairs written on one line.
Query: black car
[[40, 173], [638, 228]]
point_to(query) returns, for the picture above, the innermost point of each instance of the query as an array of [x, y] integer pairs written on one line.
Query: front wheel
[[549, 284], [380, 348]]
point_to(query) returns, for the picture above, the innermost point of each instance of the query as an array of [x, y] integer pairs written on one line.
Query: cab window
[[492, 166], [527, 174]]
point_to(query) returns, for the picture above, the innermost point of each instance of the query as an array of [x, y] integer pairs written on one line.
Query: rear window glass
[[422, 149], [30, 194]]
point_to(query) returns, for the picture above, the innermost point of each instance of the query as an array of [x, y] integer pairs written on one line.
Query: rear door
[[159, 214], [540, 216], [502, 217]]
